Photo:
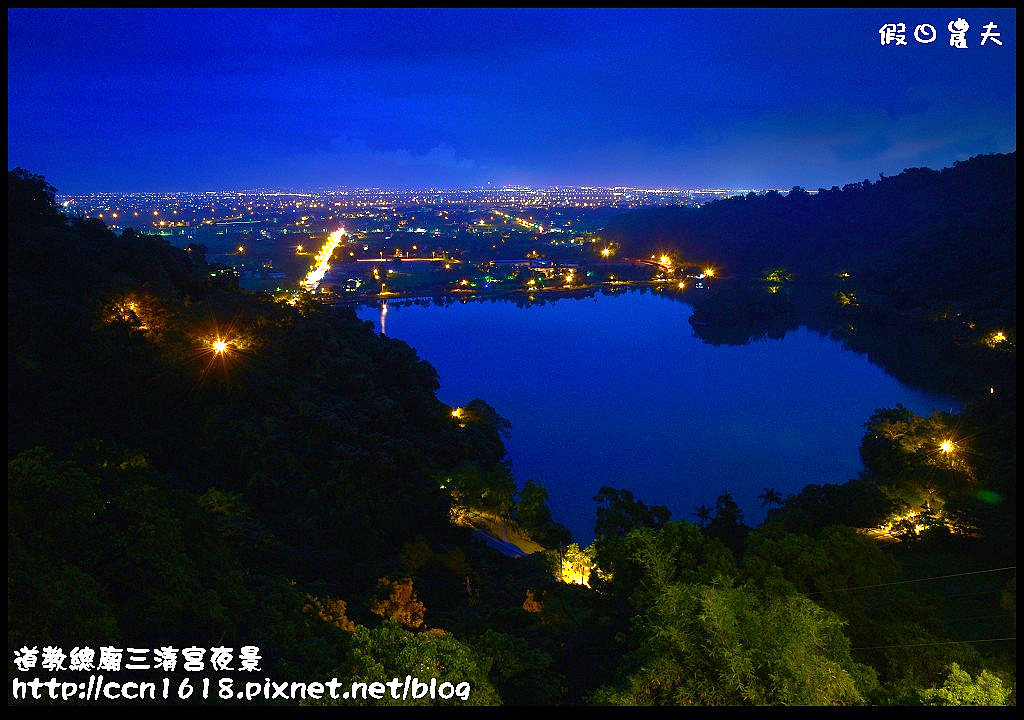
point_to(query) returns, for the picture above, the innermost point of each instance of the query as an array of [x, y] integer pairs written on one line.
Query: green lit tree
[[390, 651], [961, 689], [719, 645]]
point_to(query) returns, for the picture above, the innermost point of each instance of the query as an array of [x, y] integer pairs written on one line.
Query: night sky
[[122, 100]]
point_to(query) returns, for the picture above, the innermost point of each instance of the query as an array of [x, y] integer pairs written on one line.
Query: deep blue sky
[[226, 99]]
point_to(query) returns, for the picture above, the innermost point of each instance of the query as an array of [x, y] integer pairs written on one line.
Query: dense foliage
[[922, 240], [295, 490]]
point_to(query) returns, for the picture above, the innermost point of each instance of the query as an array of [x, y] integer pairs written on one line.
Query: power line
[[973, 592], [1002, 615], [903, 582], [946, 642]]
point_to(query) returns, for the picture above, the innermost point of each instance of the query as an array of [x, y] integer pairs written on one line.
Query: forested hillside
[[923, 239], [189, 464]]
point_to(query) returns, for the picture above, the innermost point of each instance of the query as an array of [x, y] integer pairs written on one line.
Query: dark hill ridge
[[945, 224], [331, 435]]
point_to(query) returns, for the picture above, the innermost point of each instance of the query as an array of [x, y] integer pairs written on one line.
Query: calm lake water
[[616, 390]]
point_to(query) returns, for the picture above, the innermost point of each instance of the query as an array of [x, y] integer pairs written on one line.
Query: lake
[[616, 390]]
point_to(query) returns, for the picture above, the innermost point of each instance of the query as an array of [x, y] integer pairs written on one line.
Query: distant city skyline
[[509, 187], [299, 100]]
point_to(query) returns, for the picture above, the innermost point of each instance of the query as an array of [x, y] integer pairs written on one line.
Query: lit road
[[520, 221], [322, 260]]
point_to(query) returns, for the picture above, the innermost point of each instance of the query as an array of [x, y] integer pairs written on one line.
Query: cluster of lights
[[516, 202], [128, 310], [994, 338], [321, 262], [460, 416], [520, 221], [574, 574], [913, 517]]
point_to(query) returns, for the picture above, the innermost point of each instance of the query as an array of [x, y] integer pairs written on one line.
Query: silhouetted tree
[[770, 497], [618, 512], [727, 524]]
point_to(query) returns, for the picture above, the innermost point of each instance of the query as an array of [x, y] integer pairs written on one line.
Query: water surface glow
[[616, 390]]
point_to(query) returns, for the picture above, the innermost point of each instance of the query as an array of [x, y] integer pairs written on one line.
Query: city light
[[525, 212], [996, 337], [709, 272], [946, 446], [219, 346], [322, 260]]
